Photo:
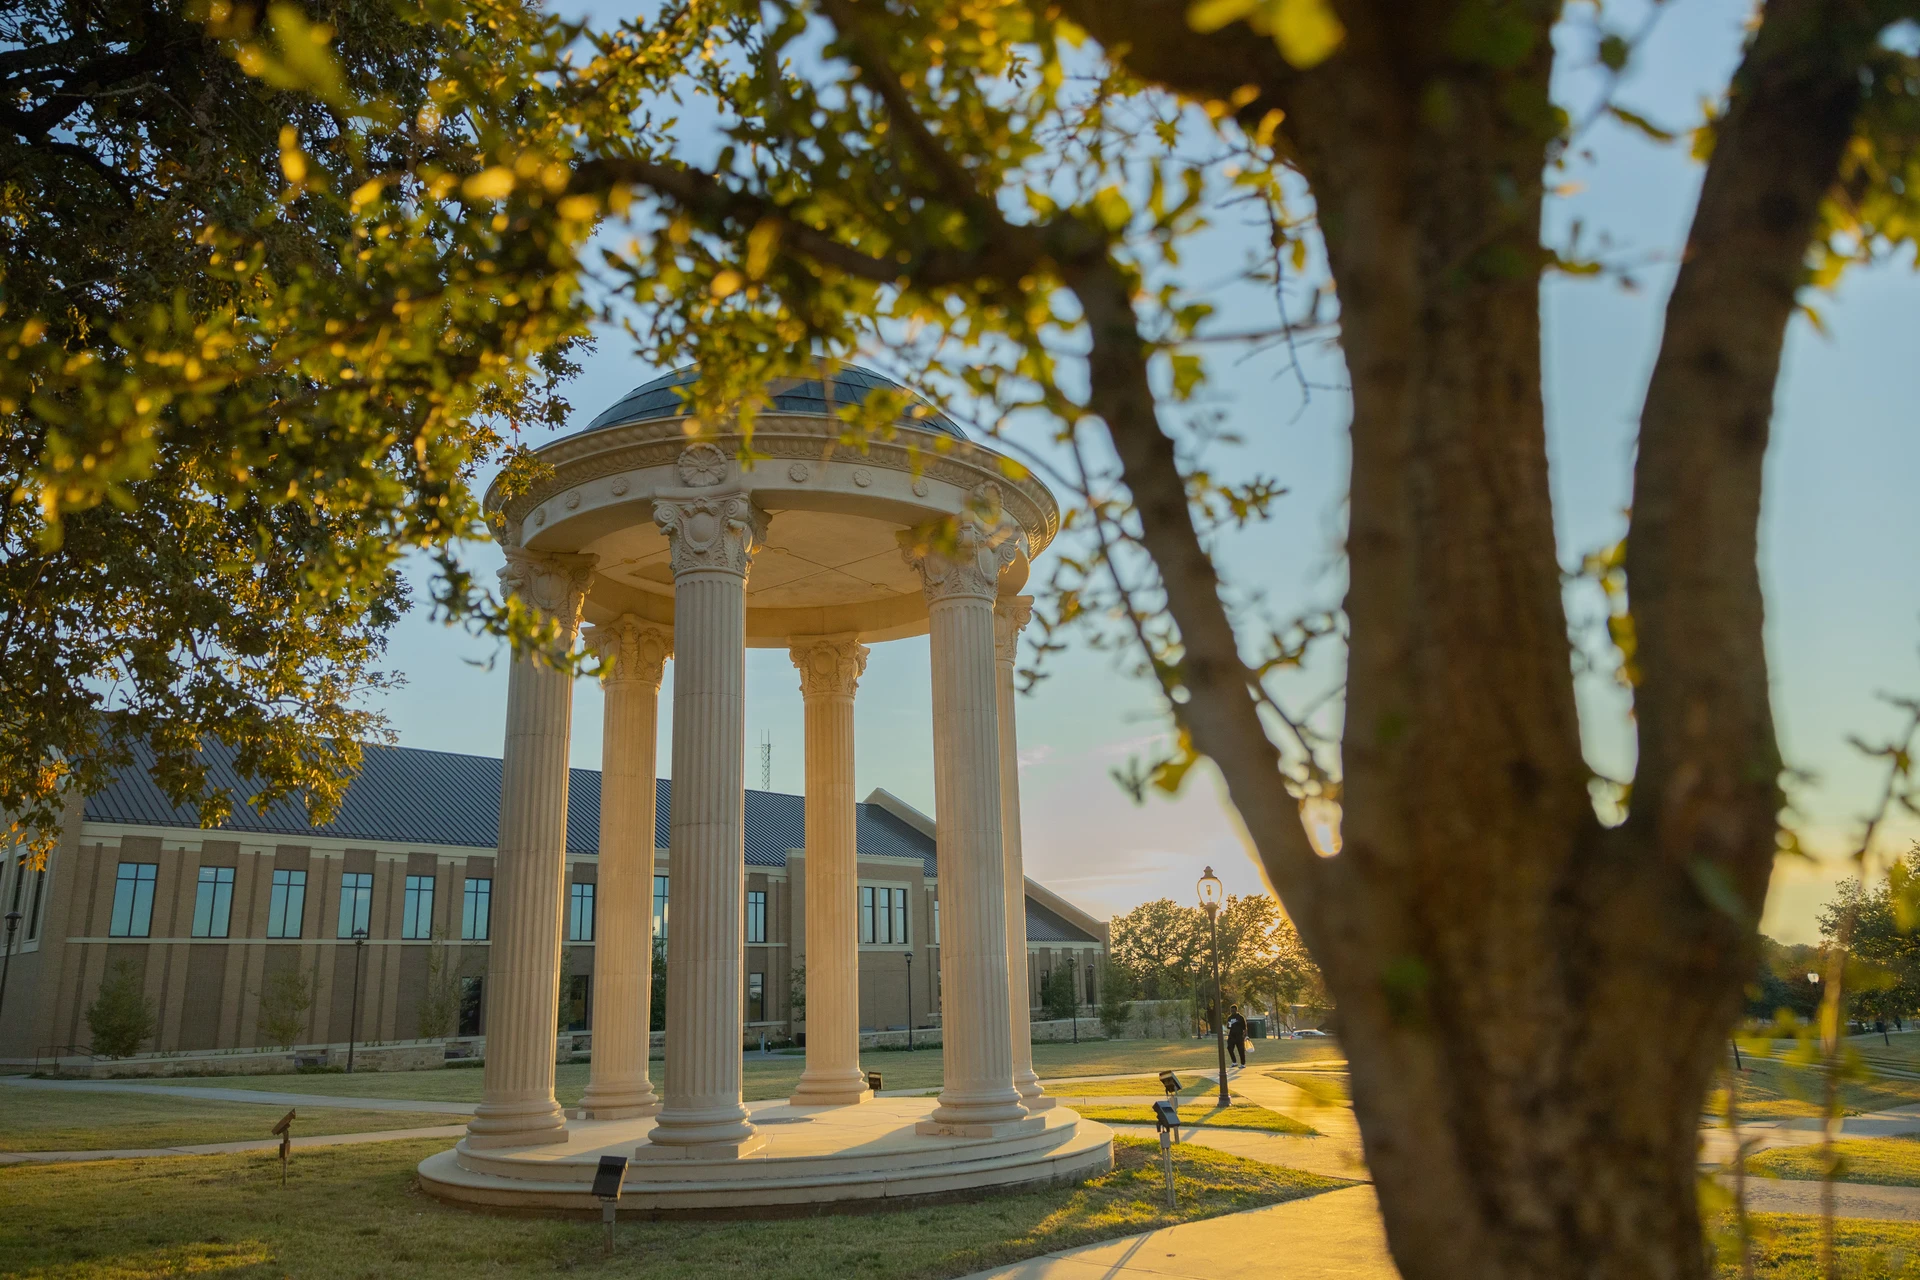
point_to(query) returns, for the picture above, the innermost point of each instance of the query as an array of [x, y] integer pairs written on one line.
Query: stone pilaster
[[1010, 616], [634, 657], [960, 566], [713, 534], [523, 962], [830, 669]]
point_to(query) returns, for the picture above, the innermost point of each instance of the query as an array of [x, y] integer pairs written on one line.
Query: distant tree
[[658, 1019], [797, 992], [285, 999], [440, 1002], [121, 1016], [1161, 945], [1781, 985], [1057, 996], [1116, 990], [1883, 972]]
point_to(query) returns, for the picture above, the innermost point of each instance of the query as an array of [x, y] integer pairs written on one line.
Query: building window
[[476, 914], [580, 914], [19, 880], [883, 915], [576, 1008], [133, 900], [756, 915], [213, 902], [356, 903], [416, 913], [936, 922], [1088, 969], [659, 906], [33, 912], [472, 992], [287, 908], [756, 997]]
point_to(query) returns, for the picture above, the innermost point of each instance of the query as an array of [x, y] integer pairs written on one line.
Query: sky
[[1838, 541]]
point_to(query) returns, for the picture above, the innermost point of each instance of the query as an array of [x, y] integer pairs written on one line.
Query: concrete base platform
[[815, 1160]]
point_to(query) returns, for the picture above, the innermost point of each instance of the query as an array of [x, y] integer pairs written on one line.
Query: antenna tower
[[766, 760]]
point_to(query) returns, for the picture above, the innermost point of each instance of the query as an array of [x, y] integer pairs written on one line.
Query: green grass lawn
[[1787, 1247], [1774, 1089], [1890, 1162], [775, 1077], [1124, 1087], [56, 1120], [355, 1211], [1241, 1115], [1328, 1088]]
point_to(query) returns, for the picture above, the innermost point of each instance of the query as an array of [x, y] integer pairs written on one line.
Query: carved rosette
[[967, 561], [1011, 614], [829, 667], [553, 583], [712, 531], [632, 649]]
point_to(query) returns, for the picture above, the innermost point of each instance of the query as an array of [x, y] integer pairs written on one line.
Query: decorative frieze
[[719, 531]]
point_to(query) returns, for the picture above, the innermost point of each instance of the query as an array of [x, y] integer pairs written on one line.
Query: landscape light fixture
[[1212, 895], [1320, 815], [1073, 985], [873, 1081], [608, 1181], [1166, 1121], [353, 1024], [6, 963]]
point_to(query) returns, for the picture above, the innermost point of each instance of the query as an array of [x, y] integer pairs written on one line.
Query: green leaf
[[1639, 123]]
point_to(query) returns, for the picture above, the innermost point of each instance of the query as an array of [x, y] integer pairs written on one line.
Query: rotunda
[[670, 547]]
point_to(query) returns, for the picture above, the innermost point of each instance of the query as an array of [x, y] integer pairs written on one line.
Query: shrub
[[121, 1017]]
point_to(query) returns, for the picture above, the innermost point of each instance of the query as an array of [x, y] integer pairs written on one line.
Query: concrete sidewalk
[[227, 1148], [261, 1096], [1332, 1236]]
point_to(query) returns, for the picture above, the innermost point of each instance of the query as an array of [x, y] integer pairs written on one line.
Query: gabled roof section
[[407, 796]]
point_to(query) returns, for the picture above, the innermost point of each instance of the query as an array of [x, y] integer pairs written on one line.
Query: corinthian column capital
[[830, 666], [633, 650], [1011, 614], [961, 557], [555, 583], [720, 530]]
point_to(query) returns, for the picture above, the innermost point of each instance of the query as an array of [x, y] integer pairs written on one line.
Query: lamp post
[[909, 999], [6, 964], [1212, 892], [353, 1026], [1073, 981]]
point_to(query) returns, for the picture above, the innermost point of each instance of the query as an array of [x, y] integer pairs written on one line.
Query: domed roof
[[852, 384]]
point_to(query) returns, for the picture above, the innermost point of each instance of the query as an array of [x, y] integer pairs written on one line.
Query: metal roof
[[661, 398], [1044, 926], [404, 795]]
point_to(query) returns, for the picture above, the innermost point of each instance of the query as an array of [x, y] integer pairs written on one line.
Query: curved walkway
[[260, 1096], [227, 1148]]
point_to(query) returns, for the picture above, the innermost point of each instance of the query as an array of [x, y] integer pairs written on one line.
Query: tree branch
[[1707, 782]]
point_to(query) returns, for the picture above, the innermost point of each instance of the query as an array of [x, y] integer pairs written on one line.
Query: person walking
[[1236, 1036]]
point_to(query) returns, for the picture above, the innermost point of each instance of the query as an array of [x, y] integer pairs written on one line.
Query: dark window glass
[[33, 912], [866, 913], [213, 902], [133, 900], [659, 906], [756, 915], [899, 917], [416, 912], [356, 902], [287, 906], [476, 913], [580, 914], [756, 997]]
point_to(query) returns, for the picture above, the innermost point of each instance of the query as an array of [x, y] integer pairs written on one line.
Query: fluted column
[[634, 657], [830, 669], [713, 534], [1010, 616], [960, 567], [523, 961]]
